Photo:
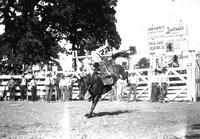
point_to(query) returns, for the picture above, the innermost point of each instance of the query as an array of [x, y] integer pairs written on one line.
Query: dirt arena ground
[[119, 120]]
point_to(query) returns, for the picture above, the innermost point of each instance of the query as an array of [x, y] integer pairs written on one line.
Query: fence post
[[189, 79], [193, 91], [150, 74]]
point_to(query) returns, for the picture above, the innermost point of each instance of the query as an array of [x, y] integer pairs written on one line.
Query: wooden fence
[[40, 87], [180, 84], [184, 84]]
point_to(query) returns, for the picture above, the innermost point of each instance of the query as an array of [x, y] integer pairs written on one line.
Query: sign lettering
[[160, 38]]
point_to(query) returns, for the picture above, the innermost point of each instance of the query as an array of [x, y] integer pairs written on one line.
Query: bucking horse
[[94, 83]]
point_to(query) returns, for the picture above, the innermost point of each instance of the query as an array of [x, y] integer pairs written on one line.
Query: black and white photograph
[[99, 69]]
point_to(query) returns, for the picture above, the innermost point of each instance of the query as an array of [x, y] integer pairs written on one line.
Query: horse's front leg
[[94, 103]]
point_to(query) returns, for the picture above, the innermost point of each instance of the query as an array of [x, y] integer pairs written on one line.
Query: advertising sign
[[155, 32], [176, 30], [156, 45], [167, 38]]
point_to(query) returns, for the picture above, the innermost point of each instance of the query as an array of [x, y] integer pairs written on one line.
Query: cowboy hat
[[48, 73], [164, 69], [158, 70], [32, 77]]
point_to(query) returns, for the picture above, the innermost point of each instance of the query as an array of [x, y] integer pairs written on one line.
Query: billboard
[[167, 38]]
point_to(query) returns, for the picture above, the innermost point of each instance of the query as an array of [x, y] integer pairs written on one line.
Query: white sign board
[[167, 38]]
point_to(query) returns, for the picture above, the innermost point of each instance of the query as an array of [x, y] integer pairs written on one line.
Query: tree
[[89, 24], [34, 27], [143, 63], [26, 38]]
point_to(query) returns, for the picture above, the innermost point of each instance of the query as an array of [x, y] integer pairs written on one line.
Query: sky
[[135, 16]]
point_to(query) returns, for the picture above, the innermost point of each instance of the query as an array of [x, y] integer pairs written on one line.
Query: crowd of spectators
[[57, 87], [61, 84]]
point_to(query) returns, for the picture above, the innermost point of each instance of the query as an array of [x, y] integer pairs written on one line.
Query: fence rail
[[183, 84], [40, 86], [179, 83]]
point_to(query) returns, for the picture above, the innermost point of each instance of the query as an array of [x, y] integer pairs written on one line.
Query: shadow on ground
[[195, 126], [194, 129], [193, 136], [111, 113]]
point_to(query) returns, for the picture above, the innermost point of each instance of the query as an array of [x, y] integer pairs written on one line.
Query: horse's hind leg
[[94, 103]]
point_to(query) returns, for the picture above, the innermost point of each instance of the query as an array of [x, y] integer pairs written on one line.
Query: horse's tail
[[123, 53]]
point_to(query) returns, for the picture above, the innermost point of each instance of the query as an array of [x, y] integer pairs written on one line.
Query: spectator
[[174, 62], [68, 85], [1, 92], [56, 87], [132, 83], [4, 91], [11, 88], [63, 87], [48, 85], [164, 85], [52, 82], [23, 87], [155, 86], [121, 85], [113, 93], [33, 86]]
